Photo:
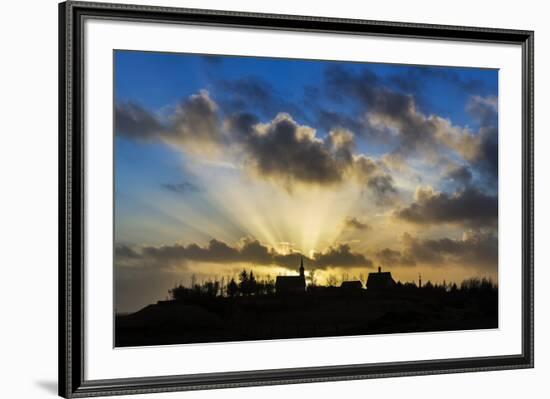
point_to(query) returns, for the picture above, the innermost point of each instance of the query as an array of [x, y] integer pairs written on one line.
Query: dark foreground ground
[[337, 314]]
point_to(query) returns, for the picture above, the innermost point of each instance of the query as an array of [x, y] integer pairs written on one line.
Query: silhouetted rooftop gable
[[380, 280]]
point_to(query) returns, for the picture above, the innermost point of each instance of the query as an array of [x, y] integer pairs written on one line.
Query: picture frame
[[73, 381]]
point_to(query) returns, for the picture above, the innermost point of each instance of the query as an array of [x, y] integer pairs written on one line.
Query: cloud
[[280, 150], [395, 115], [288, 153], [126, 252], [483, 109], [486, 159], [253, 92], [414, 79], [341, 256], [193, 125], [390, 257], [135, 122], [355, 223], [475, 249], [468, 206], [246, 92], [248, 250], [183, 187], [387, 110], [460, 175], [382, 185], [329, 120]]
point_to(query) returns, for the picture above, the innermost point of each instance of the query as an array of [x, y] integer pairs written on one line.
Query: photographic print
[[263, 198]]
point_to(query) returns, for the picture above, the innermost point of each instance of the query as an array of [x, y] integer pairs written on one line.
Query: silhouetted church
[[292, 284], [380, 281]]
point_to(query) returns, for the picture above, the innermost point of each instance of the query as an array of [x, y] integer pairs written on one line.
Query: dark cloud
[[125, 251], [216, 252], [355, 223], [390, 257], [483, 109], [194, 123], [341, 256], [289, 153], [414, 79], [469, 207], [242, 125], [475, 249], [386, 108], [328, 120], [183, 187], [341, 83], [460, 175], [252, 92], [382, 185], [375, 177], [250, 251], [247, 92], [281, 150], [394, 114], [135, 122], [486, 159]]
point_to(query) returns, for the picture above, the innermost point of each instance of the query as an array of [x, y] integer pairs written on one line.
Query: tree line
[[247, 284]]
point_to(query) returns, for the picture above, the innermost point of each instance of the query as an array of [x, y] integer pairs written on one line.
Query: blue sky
[[158, 79], [232, 150]]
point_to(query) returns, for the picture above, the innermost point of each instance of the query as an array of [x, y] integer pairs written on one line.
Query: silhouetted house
[[351, 286], [380, 281], [288, 285]]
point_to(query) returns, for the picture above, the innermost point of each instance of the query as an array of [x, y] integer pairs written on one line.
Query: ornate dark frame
[[71, 200]]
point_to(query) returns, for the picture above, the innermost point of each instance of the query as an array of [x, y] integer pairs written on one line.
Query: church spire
[[302, 266]]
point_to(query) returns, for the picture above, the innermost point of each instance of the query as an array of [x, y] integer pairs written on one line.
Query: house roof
[[380, 280], [351, 284]]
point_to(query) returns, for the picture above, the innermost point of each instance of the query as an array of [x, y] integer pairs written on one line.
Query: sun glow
[[307, 219]]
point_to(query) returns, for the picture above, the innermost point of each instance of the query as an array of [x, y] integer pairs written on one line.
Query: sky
[[227, 162]]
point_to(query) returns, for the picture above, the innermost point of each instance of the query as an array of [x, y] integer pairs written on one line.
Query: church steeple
[[302, 266]]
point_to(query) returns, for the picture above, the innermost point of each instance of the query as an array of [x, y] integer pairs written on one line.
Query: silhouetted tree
[[179, 293], [232, 289], [252, 284], [269, 287], [331, 281], [243, 282], [210, 288], [312, 277], [477, 285]]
